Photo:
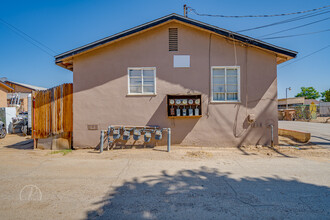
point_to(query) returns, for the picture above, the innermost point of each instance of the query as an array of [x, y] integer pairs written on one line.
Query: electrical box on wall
[[184, 106]]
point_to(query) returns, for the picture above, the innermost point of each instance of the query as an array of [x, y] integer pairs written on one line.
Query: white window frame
[[238, 84], [140, 68]]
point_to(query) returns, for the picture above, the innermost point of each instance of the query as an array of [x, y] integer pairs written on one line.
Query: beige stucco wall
[[100, 89], [3, 97]]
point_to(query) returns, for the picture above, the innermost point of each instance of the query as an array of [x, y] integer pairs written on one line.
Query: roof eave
[[289, 54], [8, 87]]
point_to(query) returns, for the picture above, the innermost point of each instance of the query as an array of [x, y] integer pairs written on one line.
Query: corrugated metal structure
[[325, 108], [53, 115]]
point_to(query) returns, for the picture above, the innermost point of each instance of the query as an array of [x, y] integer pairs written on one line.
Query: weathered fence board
[[53, 112]]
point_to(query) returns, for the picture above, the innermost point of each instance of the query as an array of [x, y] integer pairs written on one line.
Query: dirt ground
[[290, 181], [320, 119]]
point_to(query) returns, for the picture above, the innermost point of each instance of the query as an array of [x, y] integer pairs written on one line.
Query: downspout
[[168, 139], [272, 135]]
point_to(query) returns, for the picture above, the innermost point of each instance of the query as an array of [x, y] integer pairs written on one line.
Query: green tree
[[326, 96], [308, 93]]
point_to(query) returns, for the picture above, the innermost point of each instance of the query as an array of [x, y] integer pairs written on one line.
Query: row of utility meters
[[177, 111], [125, 134], [184, 101]]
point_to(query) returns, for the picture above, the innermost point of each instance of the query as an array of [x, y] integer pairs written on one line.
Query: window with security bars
[[142, 80], [225, 84]]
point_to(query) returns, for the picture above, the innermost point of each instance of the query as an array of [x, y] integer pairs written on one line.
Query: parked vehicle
[[3, 131]]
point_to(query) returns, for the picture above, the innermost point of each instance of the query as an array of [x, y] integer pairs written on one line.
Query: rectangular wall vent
[[92, 127], [173, 39]]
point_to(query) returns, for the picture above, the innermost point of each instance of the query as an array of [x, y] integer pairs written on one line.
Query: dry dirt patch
[[290, 148], [199, 154]]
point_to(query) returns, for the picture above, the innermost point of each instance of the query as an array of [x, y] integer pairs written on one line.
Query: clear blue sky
[[66, 24]]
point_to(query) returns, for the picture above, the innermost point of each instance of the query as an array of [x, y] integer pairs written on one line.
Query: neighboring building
[[18, 94], [324, 109], [4, 90], [130, 79], [297, 101]]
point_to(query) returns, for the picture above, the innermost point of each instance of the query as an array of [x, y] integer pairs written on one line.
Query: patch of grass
[[64, 152]]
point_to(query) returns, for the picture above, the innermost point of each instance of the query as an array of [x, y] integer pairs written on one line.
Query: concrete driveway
[[320, 132]]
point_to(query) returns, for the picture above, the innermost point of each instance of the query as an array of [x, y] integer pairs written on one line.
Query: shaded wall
[[3, 97], [100, 89]]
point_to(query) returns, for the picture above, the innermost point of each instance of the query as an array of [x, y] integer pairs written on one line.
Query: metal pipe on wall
[[272, 133], [168, 139], [101, 141]]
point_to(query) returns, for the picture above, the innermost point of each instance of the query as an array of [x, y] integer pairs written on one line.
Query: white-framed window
[[142, 80], [225, 84]]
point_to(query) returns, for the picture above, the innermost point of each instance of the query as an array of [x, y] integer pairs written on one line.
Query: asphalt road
[[320, 132]]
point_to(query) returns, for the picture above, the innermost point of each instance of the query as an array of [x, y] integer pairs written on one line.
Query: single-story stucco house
[[4, 90], [19, 91], [153, 74]]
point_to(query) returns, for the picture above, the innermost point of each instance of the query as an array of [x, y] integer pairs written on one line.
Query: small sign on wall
[[92, 127], [181, 61]]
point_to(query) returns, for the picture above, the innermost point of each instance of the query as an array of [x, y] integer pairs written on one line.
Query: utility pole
[[185, 10], [286, 94]]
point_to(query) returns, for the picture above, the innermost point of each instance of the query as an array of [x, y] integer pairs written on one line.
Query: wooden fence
[[52, 114]]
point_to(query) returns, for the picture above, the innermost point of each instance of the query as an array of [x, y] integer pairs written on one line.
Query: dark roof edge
[[6, 85], [25, 86], [161, 20]]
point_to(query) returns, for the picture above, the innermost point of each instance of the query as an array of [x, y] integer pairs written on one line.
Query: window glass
[[231, 72], [135, 81], [225, 84], [134, 72], [231, 96], [219, 88], [231, 80], [141, 81], [148, 89], [232, 88], [135, 89], [219, 80], [219, 96], [148, 73], [218, 72]]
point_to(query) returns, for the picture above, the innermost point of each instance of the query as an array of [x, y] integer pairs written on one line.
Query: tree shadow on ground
[[209, 194]]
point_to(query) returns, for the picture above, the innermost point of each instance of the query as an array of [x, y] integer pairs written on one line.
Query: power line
[[289, 29], [295, 35], [255, 16], [308, 55], [28, 38], [313, 14]]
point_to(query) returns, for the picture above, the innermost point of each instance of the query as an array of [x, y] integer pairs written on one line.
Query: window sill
[[148, 95], [225, 102]]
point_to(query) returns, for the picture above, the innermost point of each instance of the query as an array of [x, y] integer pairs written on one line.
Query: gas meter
[[126, 135], [158, 135], [116, 133], [147, 137], [136, 134]]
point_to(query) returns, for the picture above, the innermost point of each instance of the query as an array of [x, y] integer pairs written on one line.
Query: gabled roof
[[35, 88], [4, 85], [226, 33]]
